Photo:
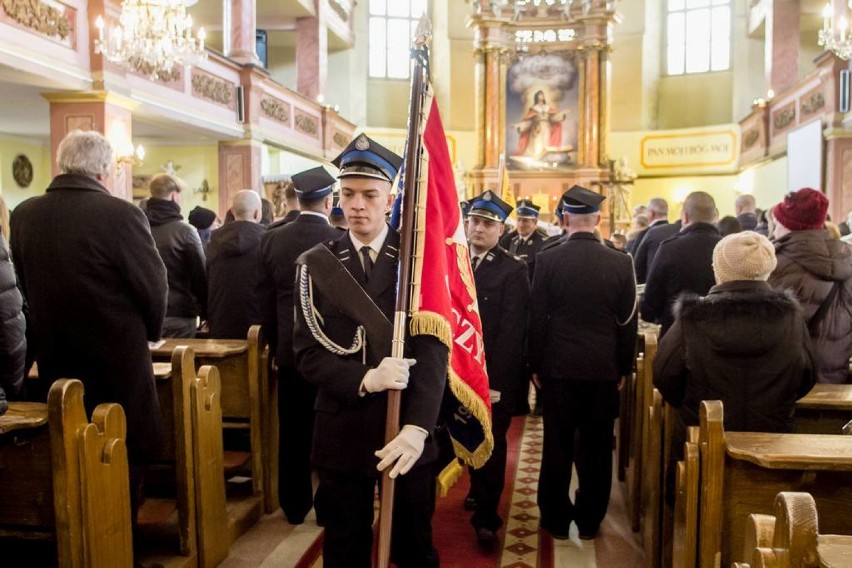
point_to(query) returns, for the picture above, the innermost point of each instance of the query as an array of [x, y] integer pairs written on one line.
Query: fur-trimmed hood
[[739, 318]]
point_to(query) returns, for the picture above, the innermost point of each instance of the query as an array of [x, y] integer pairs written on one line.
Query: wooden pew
[[642, 398], [191, 464], [791, 538], [824, 410], [246, 404], [652, 482], [625, 415], [66, 480], [685, 530], [742, 472]]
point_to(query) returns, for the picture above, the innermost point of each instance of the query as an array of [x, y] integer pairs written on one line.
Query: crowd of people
[[752, 309]]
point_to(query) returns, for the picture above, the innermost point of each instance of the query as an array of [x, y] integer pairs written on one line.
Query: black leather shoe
[[486, 539], [469, 504], [557, 534]]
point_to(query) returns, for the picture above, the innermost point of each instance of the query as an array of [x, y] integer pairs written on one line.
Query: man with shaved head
[[683, 263], [233, 302]]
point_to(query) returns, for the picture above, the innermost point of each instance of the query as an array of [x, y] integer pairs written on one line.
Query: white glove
[[391, 374], [405, 450]]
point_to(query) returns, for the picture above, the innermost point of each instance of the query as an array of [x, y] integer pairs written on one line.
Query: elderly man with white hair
[[233, 300], [96, 290]]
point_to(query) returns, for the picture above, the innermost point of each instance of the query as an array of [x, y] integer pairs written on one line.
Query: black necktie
[[474, 262], [368, 262]]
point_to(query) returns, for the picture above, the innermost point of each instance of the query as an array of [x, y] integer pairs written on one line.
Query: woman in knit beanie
[[744, 344], [818, 269]]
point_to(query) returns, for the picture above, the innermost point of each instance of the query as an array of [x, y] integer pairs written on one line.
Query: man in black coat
[[96, 289], [657, 213], [180, 248], [339, 351], [683, 263], [503, 293], [581, 342], [278, 253], [233, 270], [646, 252]]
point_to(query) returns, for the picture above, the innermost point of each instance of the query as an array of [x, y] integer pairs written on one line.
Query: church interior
[[633, 99]]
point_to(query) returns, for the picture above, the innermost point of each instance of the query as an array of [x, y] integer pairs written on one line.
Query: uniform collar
[[375, 244]]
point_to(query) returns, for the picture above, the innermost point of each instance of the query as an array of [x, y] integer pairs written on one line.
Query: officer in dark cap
[[279, 249], [345, 302], [580, 348], [525, 241], [337, 218], [503, 292]]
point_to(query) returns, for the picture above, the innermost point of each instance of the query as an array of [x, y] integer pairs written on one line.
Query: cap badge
[[362, 143], [486, 196]]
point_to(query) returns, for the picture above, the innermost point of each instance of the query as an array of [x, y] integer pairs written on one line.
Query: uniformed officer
[[279, 249], [525, 241], [503, 293], [581, 345], [346, 300]]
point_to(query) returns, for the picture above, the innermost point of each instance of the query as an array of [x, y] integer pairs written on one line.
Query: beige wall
[[39, 156], [687, 101], [197, 163]]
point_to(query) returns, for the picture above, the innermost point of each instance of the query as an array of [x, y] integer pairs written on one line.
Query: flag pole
[[414, 144]]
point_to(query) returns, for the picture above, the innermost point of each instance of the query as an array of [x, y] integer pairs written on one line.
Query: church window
[[698, 36], [392, 27]]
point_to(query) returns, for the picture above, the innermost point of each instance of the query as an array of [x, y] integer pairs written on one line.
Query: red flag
[[445, 304]]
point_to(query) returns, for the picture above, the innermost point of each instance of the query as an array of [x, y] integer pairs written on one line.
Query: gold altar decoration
[[542, 81]]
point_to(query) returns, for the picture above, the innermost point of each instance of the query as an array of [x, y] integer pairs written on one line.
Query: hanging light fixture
[[152, 37], [839, 41]]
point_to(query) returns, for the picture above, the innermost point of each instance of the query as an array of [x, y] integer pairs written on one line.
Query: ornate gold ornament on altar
[[542, 93]]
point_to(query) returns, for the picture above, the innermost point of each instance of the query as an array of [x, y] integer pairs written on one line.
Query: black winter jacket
[[233, 275], [743, 344], [180, 248], [13, 343]]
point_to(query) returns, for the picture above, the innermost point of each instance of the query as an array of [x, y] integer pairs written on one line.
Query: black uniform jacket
[[582, 322], [503, 294], [527, 250], [348, 427], [96, 289], [279, 250], [288, 217]]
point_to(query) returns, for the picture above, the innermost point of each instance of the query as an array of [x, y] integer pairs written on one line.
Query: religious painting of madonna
[[542, 94]]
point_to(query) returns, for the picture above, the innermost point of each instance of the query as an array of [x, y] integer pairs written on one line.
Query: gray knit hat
[[743, 256]]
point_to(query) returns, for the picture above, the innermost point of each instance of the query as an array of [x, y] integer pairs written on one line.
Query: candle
[[826, 17], [843, 25]]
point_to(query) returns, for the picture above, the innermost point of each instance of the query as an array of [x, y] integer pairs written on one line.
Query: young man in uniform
[[503, 293], [346, 298]]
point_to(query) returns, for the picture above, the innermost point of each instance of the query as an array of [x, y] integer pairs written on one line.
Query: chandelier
[[839, 41], [152, 37]]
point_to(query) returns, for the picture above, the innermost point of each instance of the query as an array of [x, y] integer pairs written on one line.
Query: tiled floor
[[274, 543]]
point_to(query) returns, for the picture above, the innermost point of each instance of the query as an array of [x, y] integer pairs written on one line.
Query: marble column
[[782, 44], [105, 112], [838, 176], [239, 31], [493, 117], [239, 168], [312, 54], [591, 108]]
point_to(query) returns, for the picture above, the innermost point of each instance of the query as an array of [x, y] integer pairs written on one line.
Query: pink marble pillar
[[240, 29], [591, 133], [782, 44], [108, 114], [239, 168], [838, 177], [312, 54]]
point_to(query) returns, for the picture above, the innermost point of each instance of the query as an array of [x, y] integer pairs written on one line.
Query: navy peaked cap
[[365, 157], [581, 201]]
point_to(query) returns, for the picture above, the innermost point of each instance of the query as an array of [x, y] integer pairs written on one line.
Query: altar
[[542, 98]]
